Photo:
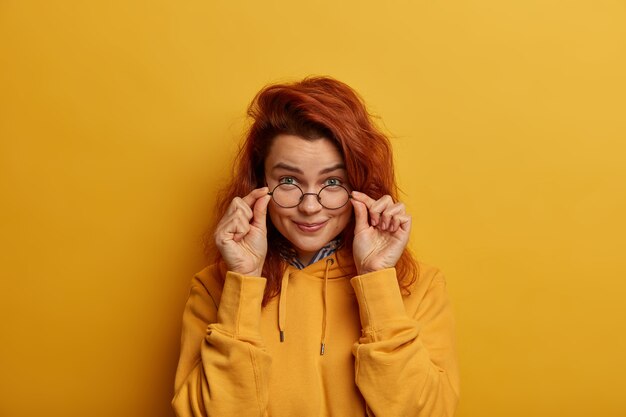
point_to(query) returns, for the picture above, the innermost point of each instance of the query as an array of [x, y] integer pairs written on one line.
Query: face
[[311, 165]]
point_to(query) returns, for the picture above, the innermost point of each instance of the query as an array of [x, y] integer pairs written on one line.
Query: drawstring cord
[[282, 306], [329, 262]]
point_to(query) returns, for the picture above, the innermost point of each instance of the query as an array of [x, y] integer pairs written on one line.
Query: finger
[[400, 223], [363, 198], [382, 204], [260, 212], [369, 202], [237, 208], [254, 195], [395, 224], [238, 205], [360, 216], [235, 228], [377, 208], [389, 213], [405, 222], [247, 202], [239, 229]]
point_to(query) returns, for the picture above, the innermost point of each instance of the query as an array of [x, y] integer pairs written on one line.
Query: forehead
[[310, 156]]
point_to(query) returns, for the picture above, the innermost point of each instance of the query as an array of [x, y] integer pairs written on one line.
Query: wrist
[[255, 273], [247, 273], [363, 271], [247, 270], [366, 269]]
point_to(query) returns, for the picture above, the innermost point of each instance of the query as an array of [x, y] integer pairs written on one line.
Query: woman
[[314, 306]]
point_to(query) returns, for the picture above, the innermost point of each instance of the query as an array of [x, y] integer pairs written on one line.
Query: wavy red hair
[[316, 107]]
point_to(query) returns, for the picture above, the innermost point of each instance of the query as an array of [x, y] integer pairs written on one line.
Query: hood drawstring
[[329, 262], [282, 306]]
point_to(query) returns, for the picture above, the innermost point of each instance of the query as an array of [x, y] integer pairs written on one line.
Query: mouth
[[310, 227]]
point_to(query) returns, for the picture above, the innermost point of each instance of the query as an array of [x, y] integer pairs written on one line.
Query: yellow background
[[118, 120]]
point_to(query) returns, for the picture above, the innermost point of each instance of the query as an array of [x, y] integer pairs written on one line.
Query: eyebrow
[[332, 168], [286, 167]]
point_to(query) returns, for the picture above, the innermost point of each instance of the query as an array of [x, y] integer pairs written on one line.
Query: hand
[[378, 242], [241, 235]]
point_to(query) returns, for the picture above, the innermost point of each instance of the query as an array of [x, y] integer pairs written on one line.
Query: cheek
[[345, 216], [275, 214]]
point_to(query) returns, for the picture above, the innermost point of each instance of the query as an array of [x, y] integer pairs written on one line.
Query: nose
[[309, 205]]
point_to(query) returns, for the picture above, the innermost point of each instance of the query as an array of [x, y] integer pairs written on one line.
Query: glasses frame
[[317, 195]]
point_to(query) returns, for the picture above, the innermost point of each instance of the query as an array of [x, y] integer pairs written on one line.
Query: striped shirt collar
[[325, 251]]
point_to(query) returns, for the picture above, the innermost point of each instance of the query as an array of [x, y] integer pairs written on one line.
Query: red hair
[[316, 107]]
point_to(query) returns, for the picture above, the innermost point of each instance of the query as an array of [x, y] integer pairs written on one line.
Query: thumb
[[360, 216], [259, 213]]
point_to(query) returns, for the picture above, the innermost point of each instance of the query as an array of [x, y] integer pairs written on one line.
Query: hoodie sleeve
[[223, 368], [405, 364]]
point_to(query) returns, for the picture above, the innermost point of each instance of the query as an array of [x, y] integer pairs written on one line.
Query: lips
[[311, 227]]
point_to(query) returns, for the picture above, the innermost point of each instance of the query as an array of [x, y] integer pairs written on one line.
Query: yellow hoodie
[[352, 345]]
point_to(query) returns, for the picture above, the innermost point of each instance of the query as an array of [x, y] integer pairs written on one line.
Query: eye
[[287, 180], [332, 181]]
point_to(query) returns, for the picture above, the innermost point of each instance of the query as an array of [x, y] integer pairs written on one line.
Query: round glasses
[[331, 197]]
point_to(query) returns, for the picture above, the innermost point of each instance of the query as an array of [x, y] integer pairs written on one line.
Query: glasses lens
[[334, 196], [287, 195]]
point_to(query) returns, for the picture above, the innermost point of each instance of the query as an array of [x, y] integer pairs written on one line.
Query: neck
[[305, 257]]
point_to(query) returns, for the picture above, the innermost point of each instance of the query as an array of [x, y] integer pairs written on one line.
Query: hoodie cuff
[[380, 301], [239, 311]]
